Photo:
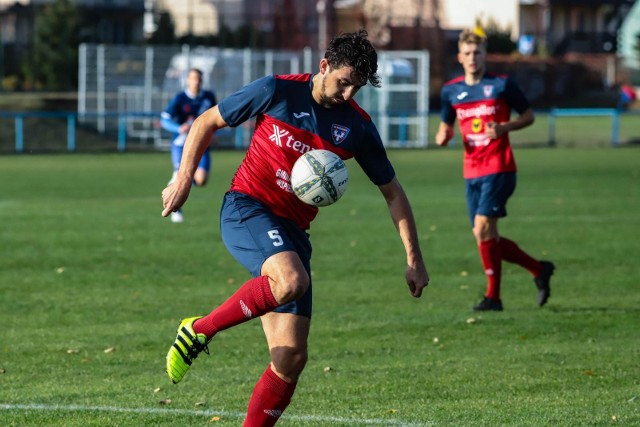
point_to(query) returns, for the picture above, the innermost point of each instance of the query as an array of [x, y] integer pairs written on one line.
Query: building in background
[[101, 21], [573, 31]]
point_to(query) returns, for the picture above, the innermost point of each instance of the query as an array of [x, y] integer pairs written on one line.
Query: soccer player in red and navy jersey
[[264, 225], [482, 103]]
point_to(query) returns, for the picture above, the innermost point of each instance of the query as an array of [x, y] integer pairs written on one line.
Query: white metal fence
[[134, 84]]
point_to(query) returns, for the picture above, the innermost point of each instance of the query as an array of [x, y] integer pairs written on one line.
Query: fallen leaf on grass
[[3, 371], [73, 351], [157, 390], [200, 404], [215, 419], [109, 350], [165, 402], [327, 369]]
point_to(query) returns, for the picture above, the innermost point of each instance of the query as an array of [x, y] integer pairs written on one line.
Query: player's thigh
[[494, 193], [205, 161], [286, 330], [176, 155], [251, 232], [253, 235]]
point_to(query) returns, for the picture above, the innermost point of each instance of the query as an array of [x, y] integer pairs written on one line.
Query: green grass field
[[93, 283]]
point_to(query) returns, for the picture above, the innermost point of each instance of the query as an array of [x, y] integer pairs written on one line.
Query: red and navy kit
[[490, 100], [289, 123]]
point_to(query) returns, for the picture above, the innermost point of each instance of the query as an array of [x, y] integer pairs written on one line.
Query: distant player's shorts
[[487, 195], [176, 157], [252, 233]]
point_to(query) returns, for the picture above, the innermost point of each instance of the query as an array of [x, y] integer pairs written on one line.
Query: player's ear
[[324, 66]]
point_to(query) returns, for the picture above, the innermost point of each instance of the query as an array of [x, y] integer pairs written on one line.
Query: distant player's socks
[[269, 399], [511, 252], [253, 299], [491, 257]]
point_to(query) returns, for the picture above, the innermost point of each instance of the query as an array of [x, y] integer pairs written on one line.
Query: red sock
[[491, 257], [253, 299], [269, 399], [511, 252]]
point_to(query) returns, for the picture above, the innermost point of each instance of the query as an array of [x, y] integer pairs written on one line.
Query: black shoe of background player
[[488, 304], [542, 282]]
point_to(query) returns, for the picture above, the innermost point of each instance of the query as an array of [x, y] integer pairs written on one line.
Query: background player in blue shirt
[[264, 225], [177, 119]]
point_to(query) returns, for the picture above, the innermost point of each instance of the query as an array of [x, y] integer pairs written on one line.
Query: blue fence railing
[[585, 112], [122, 119], [72, 121]]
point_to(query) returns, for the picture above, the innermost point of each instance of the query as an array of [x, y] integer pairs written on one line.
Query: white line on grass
[[204, 413]]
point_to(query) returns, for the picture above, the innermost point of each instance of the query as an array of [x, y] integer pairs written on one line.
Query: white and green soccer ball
[[319, 178]]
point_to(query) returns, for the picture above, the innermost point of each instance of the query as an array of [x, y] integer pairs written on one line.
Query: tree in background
[[498, 39], [166, 31], [55, 53]]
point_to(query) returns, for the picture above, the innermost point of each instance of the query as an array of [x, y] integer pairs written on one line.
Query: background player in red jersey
[[482, 103], [264, 225]]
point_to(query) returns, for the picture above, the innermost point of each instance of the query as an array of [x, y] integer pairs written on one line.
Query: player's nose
[[349, 93]]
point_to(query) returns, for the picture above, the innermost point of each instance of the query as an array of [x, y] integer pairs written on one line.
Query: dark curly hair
[[354, 50]]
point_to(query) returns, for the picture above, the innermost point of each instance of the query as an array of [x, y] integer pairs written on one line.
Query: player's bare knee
[[289, 362], [291, 286], [200, 179]]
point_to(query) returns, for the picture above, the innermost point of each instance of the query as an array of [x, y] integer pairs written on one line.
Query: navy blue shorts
[[487, 195], [252, 233], [176, 158]]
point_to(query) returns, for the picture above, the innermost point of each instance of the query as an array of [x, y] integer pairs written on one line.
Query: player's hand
[[494, 130], [417, 279], [443, 136], [174, 195], [184, 128]]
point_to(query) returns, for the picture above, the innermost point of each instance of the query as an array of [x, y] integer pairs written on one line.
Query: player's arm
[[167, 117], [198, 139], [402, 216], [447, 118], [518, 102], [444, 134]]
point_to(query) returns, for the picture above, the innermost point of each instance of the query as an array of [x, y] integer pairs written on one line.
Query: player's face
[[337, 86], [194, 82], [472, 58]]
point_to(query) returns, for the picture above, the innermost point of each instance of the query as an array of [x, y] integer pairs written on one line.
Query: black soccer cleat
[[488, 304], [542, 282]]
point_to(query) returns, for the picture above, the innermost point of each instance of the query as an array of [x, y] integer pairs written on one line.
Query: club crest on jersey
[[476, 125], [339, 133], [488, 90]]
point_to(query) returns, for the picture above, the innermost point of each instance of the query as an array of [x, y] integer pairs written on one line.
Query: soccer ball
[[319, 177]]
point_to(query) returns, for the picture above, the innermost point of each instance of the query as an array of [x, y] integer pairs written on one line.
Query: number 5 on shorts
[[275, 236]]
